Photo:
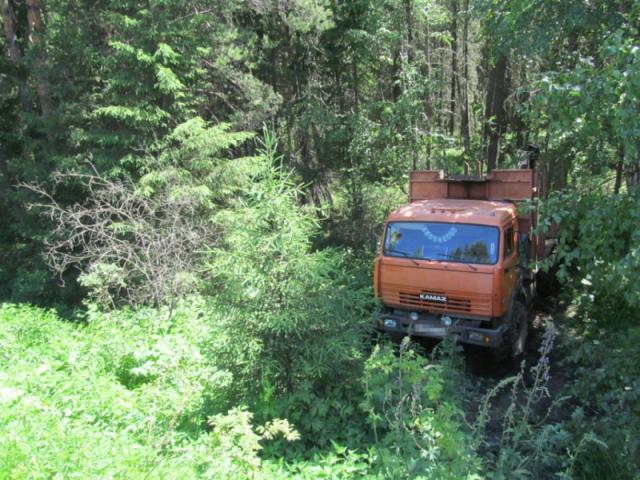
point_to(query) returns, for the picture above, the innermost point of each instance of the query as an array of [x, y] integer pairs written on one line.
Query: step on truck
[[460, 259]]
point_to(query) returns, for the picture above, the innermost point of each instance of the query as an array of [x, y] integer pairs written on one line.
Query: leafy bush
[[607, 366], [284, 329], [599, 250], [419, 432], [141, 243], [125, 395], [357, 212], [526, 445], [303, 314]]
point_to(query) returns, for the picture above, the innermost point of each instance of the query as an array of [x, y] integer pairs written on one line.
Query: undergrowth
[[141, 394]]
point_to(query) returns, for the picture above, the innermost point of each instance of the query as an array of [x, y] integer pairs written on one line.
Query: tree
[[37, 46], [454, 66], [495, 110], [141, 244]]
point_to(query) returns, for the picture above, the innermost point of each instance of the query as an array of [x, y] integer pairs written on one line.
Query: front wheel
[[515, 338]]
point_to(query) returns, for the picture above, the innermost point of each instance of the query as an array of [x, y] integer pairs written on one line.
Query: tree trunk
[[428, 107], [495, 114], [408, 10], [619, 169], [356, 87], [36, 41], [396, 68], [632, 176], [8, 21], [454, 66], [409, 82], [465, 124], [13, 49]]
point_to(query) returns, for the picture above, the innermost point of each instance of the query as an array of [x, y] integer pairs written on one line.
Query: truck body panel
[[479, 212], [467, 292]]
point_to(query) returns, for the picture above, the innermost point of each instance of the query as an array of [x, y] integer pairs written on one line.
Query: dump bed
[[509, 185]]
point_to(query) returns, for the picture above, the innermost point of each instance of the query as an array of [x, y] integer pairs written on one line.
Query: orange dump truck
[[458, 259]]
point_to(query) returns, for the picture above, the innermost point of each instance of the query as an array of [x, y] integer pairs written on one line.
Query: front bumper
[[429, 325]]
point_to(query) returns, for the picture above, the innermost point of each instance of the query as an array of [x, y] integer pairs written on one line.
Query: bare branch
[[130, 248]]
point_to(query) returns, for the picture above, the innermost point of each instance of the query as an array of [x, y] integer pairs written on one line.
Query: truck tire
[[515, 338]]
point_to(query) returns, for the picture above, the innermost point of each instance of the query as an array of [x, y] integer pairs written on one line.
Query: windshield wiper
[[404, 254], [449, 256], [458, 259]]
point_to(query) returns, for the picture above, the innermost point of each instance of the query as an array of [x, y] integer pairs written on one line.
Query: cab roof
[[482, 212]]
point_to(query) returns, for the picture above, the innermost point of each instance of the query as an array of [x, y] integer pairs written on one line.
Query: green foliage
[[596, 459], [598, 251], [339, 462], [528, 446], [303, 314], [124, 394], [153, 79], [607, 371], [138, 394], [230, 450], [372, 204], [420, 433], [121, 77]]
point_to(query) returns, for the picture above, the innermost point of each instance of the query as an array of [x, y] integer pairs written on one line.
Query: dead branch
[[131, 248]]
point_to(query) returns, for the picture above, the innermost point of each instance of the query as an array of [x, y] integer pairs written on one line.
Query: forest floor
[[486, 375]]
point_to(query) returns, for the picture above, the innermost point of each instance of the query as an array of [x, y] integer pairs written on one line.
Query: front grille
[[480, 305]]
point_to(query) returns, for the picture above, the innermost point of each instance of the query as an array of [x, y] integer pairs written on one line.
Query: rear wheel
[[515, 338]]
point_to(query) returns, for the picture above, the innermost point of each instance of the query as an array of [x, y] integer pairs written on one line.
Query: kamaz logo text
[[432, 297]]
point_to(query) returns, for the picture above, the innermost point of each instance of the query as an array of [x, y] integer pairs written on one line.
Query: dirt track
[[485, 374]]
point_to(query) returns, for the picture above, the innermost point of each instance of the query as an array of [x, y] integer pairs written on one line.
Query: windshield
[[456, 242]]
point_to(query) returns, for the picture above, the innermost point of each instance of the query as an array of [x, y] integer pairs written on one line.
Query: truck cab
[[456, 260]]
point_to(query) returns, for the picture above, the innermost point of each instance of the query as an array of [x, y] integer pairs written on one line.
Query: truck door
[[510, 264]]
